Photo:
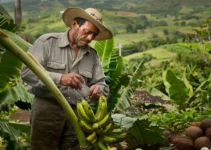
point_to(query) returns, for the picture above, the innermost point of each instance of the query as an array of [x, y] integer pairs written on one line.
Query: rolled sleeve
[[55, 77]]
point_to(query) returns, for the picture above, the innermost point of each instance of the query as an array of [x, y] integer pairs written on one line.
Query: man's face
[[84, 34]]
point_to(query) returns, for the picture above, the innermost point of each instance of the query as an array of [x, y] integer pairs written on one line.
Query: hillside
[[134, 23]]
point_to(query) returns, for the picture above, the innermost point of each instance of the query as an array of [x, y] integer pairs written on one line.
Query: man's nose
[[90, 37]]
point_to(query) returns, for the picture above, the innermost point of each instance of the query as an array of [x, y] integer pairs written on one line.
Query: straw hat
[[90, 14]]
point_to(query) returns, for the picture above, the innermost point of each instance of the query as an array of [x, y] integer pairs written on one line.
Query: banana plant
[[181, 93], [122, 85]]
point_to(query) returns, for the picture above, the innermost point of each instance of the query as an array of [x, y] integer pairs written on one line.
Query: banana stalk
[[43, 76]]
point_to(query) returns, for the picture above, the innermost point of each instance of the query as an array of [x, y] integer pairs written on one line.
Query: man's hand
[[73, 80], [95, 91]]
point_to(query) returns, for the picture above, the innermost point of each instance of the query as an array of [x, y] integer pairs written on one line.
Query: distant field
[[161, 54], [45, 17]]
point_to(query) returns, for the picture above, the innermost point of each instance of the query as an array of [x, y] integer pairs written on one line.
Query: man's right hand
[[73, 80]]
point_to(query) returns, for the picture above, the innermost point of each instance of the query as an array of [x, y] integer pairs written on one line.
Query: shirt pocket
[[86, 74], [56, 67]]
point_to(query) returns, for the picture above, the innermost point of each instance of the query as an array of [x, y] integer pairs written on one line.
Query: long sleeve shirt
[[55, 54]]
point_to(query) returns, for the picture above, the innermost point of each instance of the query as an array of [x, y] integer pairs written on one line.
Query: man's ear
[[74, 25]]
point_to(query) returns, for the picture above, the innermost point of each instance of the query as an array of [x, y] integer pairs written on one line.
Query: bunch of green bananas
[[99, 126]]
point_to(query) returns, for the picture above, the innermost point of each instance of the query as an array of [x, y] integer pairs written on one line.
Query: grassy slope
[[47, 18], [161, 54]]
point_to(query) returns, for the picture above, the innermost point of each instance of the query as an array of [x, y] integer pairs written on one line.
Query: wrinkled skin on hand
[[76, 81], [73, 80]]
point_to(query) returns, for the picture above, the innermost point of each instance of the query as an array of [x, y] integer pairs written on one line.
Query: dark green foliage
[[140, 130]]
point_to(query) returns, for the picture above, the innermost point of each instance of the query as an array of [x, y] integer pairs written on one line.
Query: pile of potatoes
[[195, 137]]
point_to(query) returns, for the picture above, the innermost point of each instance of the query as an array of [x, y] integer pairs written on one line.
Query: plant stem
[[44, 77]]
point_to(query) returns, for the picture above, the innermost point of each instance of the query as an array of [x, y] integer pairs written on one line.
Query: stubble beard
[[77, 41]]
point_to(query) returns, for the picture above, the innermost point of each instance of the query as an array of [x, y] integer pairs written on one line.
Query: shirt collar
[[63, 40]]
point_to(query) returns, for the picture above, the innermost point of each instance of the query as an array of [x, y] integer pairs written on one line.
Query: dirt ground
[[21, 115]]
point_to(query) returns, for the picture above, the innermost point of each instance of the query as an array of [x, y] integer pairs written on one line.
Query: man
[[72, 64]]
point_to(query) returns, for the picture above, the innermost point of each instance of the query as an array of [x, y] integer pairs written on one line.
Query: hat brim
[[72, 13]]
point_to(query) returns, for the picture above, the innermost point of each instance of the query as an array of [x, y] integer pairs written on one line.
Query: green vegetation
[[166, 59], [131, 22]]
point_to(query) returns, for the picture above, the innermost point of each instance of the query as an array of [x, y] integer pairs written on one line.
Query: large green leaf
[[17, 95], [140, 131], [13, 133], [6, 21], [192, 101], [22, 127], [155, 92], [10, 134], [10, 65], [188, 85], [119, 68], [124, 101], [145, 133], [176, 88], [104, 49]]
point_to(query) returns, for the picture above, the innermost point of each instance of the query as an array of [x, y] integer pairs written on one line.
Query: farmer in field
[[74, 67]]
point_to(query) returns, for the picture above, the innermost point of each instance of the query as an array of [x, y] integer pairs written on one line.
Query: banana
[[88, 110], [105, 121], [85, 126], [109, 127], [117, 136], [117, 130], [102, 111], [108, 139], [112, 148], [101, 145], [92, 137], [97, 128], [81, 113]]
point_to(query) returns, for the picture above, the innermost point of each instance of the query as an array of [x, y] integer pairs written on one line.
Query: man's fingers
[[73, 84], [80, 78], [78, 83], [94, 91]]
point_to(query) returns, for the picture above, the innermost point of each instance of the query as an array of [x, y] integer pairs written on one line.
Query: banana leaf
[[140, 130], [104, 50], [17, 95], [6, 21], [119, 68], [124, 101], [10, 134], [176, 89], [155, 92], [10, 88]]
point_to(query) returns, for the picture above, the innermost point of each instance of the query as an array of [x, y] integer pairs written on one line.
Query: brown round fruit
[[202, 142], [197, 124], [205, 124], [193, 132], [183, 143], [208, 133]]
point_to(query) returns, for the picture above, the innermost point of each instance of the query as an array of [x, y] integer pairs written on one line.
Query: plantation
[[159, 88]]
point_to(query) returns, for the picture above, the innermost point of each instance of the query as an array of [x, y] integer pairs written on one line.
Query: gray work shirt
[[54, 53]]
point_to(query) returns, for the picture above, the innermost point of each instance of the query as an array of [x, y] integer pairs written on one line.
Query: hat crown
[[95, 14]]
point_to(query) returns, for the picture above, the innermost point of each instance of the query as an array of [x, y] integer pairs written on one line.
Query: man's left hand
[[95, 91]]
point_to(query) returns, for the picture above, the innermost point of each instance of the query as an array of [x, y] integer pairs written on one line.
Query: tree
[[165, 32], [18, 13]]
